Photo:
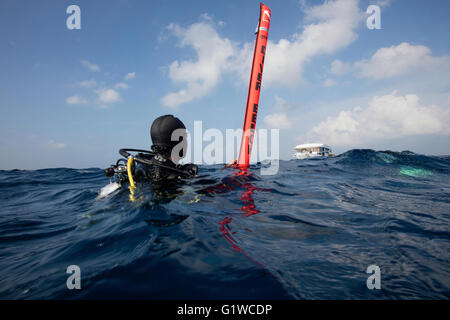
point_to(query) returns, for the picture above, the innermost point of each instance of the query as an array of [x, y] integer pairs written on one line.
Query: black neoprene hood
[[162, 129]]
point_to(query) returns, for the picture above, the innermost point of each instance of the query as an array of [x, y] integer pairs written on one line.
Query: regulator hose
[[126, 153]]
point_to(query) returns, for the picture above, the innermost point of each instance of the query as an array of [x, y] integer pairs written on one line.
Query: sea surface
[[308, 232]]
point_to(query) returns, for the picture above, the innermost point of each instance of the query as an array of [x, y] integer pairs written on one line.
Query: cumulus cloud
[[90, 66], [401, 60], [386, 117], [282, 105], [76, 99], [338, 67], [106, 93], [130, 75], [383, 3], [199, 77], [277, 121], [331, 26], [240, 62], [87, 83], [121, 85], [106, 96]]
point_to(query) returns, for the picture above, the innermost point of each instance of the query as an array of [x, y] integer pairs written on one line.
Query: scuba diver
[[161, 165]]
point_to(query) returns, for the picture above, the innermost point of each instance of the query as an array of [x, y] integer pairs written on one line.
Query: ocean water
[[308, 232]]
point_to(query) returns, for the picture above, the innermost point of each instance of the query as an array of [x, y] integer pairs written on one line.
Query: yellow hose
[[130, 178]]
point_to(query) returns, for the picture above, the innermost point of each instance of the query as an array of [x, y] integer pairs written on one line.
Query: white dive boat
[[312, 150]]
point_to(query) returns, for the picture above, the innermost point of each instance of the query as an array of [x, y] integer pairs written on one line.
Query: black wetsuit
[[160, 172]]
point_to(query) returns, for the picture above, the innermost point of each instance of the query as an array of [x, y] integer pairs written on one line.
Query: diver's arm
[[231, 164], [191, 168]]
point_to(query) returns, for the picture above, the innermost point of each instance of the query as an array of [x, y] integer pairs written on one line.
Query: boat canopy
[[312, 145]]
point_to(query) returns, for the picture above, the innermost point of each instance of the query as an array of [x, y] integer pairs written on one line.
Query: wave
[[309, 231]]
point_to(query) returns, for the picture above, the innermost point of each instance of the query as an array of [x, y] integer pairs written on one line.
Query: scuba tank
[[148, 166]]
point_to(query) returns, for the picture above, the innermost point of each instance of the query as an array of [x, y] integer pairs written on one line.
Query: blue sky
[[66, 99]]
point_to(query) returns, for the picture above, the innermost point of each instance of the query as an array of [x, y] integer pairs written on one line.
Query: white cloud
[[106, 96], [386, 117], [90, 66], [121, 85], [282, 105], [76, 99], [383, 3], [329, 83], [332, 27], [206, 17], [52, 144], [202, 75], [338, 67], [87, 83], [130, 75], [240, 63], [277, 121], [401, 60]]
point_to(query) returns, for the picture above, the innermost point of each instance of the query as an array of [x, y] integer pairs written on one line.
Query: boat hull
[[302, 156]]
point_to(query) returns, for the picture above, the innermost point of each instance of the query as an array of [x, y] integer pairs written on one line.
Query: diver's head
[[169, 137]]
